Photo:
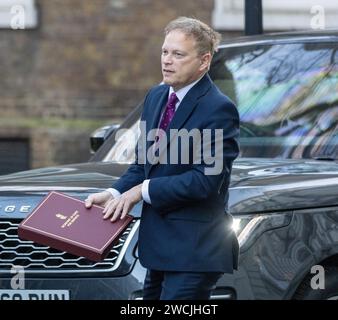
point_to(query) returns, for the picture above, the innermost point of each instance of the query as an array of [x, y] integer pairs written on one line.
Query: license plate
[[34, 294]]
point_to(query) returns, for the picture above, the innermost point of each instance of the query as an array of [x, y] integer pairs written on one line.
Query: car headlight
[[249, 228]]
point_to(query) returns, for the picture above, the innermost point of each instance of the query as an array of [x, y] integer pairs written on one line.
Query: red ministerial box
[[64, 223]]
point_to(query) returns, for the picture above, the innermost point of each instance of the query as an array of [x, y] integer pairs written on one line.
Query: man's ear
[[205, 61]]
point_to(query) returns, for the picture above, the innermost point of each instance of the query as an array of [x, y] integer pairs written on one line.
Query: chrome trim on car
[[221, 297], [227, 296], [276, 41]]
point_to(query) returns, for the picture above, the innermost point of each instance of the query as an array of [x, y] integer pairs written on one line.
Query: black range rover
[[283, 196]]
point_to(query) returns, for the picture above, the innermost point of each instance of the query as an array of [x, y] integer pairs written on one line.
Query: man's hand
[[121, 206], [100, 198]]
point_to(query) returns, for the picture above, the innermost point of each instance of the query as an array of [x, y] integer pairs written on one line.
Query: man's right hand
[[100, 198]]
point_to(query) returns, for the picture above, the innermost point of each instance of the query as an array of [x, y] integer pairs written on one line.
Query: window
[[286, 95], [18, 14], [278, 15], [14, 155]]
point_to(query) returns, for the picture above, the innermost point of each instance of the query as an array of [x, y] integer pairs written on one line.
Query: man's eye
[[178, 54], [164, 52]]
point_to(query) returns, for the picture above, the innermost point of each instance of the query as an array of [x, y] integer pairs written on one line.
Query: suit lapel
[[189, 103], [185, 109], [153, 123]]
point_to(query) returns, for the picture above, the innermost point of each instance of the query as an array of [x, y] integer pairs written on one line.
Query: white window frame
[[18, 14], [277, 15]]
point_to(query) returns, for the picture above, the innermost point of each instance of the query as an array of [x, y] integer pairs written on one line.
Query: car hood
[[257, 185], [262, 185]]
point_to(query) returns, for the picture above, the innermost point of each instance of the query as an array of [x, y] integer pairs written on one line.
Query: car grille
[[37, 258]]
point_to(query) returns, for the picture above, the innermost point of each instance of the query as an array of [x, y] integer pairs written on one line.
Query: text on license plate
[[34, 295]]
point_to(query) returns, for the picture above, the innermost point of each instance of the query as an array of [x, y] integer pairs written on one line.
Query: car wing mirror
[[98, 137]]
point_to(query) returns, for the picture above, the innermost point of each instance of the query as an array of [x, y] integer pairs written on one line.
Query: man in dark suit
[[185, 237]]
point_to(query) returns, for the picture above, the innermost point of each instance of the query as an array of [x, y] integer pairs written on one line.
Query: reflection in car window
[[123, 150], [287, 96]]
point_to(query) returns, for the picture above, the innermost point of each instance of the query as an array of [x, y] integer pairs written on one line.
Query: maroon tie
[[168, 112]]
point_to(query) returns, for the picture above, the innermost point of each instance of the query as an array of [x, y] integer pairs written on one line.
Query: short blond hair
[[207, 39]]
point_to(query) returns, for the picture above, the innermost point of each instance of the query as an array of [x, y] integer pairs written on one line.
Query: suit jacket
[[186, 227]]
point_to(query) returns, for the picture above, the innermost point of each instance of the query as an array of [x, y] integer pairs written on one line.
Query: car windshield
[[287, 97]]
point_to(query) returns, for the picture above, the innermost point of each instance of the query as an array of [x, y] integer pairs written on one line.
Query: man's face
[[181, 63]]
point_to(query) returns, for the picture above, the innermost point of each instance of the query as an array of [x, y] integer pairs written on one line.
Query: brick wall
[[87, 64]]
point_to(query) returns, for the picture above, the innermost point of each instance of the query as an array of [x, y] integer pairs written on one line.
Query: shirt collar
[[183, 91]]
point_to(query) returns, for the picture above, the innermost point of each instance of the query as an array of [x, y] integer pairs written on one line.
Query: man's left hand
[[122, 205]]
